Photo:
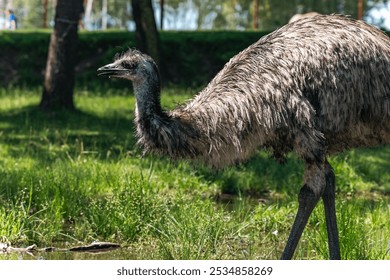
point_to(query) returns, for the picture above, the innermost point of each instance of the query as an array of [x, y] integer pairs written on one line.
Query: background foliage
[[197, 14], [193, 58]]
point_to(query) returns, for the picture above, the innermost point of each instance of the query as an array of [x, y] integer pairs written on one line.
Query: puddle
[[117, 254], [93, 251]]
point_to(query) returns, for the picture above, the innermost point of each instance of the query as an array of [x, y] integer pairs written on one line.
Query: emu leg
[[308, 198], [307, 201], [328, 198]]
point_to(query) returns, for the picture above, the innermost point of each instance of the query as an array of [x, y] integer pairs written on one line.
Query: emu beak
[[111, 70]]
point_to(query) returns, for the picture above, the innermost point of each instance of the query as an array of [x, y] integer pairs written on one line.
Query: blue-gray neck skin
[[157, 131], [147, 92]]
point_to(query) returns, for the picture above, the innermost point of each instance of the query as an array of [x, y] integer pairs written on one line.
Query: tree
[[162, 14], [148, 39], [59, 76], [255, 14], [360, 9], [44, 16]]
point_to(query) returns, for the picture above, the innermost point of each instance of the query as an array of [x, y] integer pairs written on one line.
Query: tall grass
[[77, 177]]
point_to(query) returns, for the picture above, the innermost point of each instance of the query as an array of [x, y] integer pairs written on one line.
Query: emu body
[[316, 86]]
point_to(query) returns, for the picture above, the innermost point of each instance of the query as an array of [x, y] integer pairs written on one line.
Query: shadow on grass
[[29, 131], [371, 164], [365, 169], [261, 177]]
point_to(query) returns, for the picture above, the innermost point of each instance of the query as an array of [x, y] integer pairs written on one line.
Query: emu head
[[131, 65]]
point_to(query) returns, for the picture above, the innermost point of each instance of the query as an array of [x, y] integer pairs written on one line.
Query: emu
[[316, 87]]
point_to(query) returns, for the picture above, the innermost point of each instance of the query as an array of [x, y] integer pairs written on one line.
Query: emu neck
[[147, 92], [159, 132]]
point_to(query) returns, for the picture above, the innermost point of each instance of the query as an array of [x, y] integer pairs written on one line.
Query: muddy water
[[117, 254], [63, 251]]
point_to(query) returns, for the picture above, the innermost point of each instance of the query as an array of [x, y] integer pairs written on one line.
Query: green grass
[[79, 177]]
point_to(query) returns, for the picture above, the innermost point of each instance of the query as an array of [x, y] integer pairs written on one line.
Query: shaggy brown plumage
[[316, 86]]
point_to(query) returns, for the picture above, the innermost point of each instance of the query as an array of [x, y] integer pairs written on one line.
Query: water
[[115, 254], [62, 251]]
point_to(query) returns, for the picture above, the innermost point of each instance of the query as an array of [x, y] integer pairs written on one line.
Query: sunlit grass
[[79, 177]]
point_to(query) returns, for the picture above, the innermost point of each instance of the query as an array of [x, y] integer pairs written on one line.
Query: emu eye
[[127, 65]]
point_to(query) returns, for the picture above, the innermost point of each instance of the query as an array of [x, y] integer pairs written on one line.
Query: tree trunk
[[255, 14], [59, 76], [148, 40], [360, 9], [88, 12], [44, 16], [162, 4], [104, 14]]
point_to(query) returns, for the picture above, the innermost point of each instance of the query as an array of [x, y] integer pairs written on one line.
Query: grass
[[79, 177]]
